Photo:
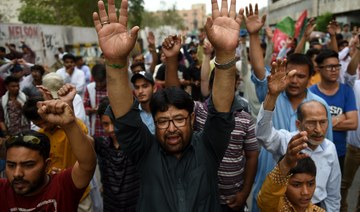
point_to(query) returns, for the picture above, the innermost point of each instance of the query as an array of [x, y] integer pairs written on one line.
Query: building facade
[[345, 11], [195, 18]]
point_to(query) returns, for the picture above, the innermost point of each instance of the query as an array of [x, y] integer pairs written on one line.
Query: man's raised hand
[[114, 39], [223, 27], [279, 79], [253, 21], [56, 112], [293, 152], [171, 46]]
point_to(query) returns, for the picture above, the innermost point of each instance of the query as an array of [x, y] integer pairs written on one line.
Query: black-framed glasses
[[331, 67], [25, 138], [177, 122], [311, 125]]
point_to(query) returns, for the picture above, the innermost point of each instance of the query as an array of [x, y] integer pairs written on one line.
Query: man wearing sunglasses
[[28, 187], [340, 98]]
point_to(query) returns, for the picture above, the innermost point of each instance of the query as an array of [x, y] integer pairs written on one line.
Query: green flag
[[287, 26]]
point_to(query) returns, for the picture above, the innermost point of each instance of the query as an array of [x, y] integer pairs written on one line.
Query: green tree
[[60, 12], [322, 21], [150, 20], [136, 9], [169, 17]]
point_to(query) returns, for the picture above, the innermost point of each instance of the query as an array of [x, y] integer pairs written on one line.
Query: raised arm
[[152, 50], [222, 30], [333, 25], [275, 184], [253, 25], [269, 47], [205, 68], [306, 37], [60, 113], [355, 59], [116, 42], [278, 80], [171, 48]]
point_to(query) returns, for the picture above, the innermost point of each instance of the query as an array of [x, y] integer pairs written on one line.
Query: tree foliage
[[79, 13], [136, 10], [71, 12], [168, 17]]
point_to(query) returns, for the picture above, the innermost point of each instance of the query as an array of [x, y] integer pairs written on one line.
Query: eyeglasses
[[311, 125], [331, 67], [27, 139], [177, 122]]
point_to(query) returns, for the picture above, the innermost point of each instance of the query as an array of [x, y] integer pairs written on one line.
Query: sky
[[154, 5]]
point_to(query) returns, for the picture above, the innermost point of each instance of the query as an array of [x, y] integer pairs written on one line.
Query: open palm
[[114, 39], [279, 79], [224, 33], [253, 21], [223, 27]]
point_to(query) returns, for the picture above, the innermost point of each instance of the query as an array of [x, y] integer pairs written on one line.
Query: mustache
[[169, 134], [317, 135], [18, 180]]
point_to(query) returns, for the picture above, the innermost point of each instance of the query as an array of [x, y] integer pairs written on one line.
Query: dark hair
[[18, 141], [38, 68], [174, 96], [342, 42], [11, 79], [104, 103], [301, 59], [141, 64], [325, 54], [68, 56], [339, 36], [305, 165], [77, 58], [98, 72], [2, 49], [311, 52], [30, 109], [299, 111]]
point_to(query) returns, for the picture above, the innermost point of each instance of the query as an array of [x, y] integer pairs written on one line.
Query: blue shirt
[[147, 119]]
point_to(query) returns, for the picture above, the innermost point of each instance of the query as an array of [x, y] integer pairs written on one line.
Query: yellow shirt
[[272, 195], [60, 150], [314, 79]]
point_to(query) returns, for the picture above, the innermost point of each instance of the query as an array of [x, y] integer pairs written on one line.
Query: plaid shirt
[[99, 131], [232, 167]]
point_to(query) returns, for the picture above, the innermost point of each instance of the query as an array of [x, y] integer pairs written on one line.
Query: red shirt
[[59, 195]]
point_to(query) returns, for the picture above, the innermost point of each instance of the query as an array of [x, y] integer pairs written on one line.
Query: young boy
[[291, 184], [118, 175]]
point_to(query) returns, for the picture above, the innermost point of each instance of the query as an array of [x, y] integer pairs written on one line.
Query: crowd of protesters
[[197, 123]]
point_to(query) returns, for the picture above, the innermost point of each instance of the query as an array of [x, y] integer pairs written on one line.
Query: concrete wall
[[45, 39]]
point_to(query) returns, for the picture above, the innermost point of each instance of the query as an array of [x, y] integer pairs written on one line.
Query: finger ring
[[105, 22]]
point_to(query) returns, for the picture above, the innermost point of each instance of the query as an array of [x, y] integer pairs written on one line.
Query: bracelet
[[226, 65], [116, 66]]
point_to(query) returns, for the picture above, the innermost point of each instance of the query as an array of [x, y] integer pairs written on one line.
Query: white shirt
[[328, 175], [77, 79], [353, 137]]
